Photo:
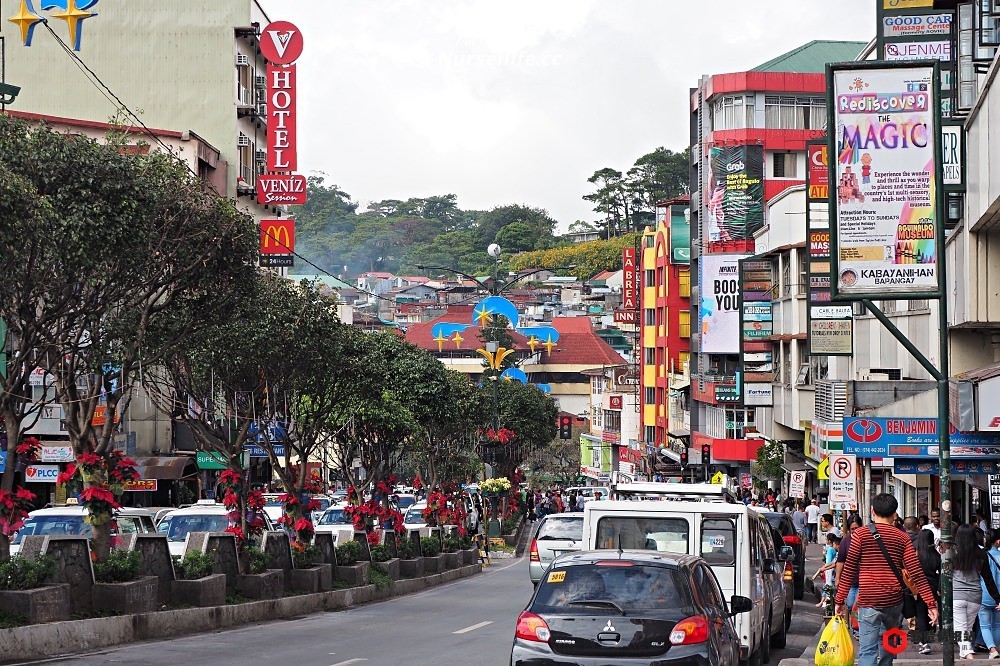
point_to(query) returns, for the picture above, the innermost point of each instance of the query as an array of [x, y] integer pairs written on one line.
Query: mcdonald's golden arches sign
[[277, 236]]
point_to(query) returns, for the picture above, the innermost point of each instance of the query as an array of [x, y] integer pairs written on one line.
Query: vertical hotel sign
[[630, 288], [281, 43], [884, 181]]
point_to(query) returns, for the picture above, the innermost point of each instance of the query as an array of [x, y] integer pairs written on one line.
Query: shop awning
[[680, 384], [670, 454], [796, 467], [680, 433], [166, 468]]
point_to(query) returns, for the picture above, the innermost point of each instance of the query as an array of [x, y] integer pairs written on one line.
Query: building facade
[[748, 138]]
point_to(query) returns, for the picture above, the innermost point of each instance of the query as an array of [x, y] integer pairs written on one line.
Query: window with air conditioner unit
[[262, 109], [260, 96], [260, 81], [261, 155], [242, 60], [243, 140]]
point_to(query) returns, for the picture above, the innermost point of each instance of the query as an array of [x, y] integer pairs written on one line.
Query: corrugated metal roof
[[811, 58]]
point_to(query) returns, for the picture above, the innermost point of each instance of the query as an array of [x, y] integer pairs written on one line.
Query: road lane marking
[[473, 627], [350, 661]]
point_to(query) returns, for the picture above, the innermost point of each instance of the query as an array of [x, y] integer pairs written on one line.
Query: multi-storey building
[[748, 136], [185, 65], [665, 326]]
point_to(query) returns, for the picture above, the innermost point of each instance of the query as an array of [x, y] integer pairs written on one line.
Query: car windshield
[[404, 502], [334, 517], [569, 528], [784, 526], [177, 527], [324, 503], [272, 501], [607, 587], [415, 516], [643, 533], [42, 525]]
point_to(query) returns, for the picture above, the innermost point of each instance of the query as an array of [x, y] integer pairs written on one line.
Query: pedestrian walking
[[989, 611], [930, 564], [934, 526], [912, 528], [854, 522], [877, 559], [828, 570], [812, 520], [967, 590], [799, 520]]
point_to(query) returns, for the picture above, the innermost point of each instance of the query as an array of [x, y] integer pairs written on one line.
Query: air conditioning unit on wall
[[243, 140], [242, 60]]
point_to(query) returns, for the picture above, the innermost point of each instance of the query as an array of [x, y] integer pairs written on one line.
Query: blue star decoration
[[74, 12]]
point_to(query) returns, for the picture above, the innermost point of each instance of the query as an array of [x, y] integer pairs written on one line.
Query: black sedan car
[[628, 607], [783, 523]]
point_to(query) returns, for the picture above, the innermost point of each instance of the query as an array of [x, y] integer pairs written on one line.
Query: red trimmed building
[[755, 123], [579, 348]]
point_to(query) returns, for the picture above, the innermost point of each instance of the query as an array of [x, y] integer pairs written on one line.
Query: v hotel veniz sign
[[281, 43]]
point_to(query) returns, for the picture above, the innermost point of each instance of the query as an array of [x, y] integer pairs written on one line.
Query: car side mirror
[[787, 553], [769, 566], [738, 604]]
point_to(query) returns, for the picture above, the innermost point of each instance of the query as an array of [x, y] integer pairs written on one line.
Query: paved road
[[467, 622]]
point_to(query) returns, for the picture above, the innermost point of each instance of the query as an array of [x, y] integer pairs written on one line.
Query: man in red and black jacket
[[880, 592]]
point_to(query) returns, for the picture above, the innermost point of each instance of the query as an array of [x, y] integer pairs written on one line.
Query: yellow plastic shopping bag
[[835, 647]]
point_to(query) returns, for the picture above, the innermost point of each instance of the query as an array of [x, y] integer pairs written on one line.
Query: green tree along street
[[120, 248]]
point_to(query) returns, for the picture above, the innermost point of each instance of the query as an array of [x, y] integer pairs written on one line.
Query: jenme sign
[[883, 181]]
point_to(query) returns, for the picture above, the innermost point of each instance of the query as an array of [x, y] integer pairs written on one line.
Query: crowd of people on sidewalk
[[887, 574], [542, 503]]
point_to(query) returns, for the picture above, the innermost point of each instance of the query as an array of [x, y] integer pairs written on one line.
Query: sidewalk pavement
[[814, 559]]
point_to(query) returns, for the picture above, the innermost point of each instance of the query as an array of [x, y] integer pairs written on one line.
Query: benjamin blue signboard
[[957, 467], [912, 438]]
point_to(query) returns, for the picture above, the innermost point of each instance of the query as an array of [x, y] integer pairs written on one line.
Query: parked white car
[[204, 516], [413, 518], [69, 520], [337, 523]]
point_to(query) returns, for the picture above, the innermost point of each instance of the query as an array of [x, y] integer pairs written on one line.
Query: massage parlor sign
[[884, 180]]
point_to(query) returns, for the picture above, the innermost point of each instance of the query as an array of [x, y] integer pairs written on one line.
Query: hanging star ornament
[[74, 17], [440, 339], [533, 342], [549, 345], [457, 339], [26, 19], [484, 317]]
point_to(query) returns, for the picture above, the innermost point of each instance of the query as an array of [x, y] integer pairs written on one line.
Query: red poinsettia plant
[[14, 508], [499, 435], [28, 451], [104, 479], [445, 508], [369, 516], [236, 495]]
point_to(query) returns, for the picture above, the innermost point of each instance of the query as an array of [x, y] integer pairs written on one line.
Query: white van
[[732, 538]]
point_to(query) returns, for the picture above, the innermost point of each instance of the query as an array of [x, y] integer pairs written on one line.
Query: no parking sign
[[843, 481]]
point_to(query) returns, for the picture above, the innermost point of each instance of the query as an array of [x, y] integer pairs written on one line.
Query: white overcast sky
[[520, 101]]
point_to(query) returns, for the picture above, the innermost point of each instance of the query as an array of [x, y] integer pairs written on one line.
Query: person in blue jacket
[[989, 611]]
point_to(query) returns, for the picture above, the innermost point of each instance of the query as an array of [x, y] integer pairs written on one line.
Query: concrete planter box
[[412, 568], [433, 565], [267, 585], [42, 604], [356, 574], [128, 598], [207, 591], [452, 560], [389, 567], [318, 578], [470, 556]]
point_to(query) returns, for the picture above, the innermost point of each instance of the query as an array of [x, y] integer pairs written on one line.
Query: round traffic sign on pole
[[894, 641]]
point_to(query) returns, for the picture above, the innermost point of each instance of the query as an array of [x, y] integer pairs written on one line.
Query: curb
[[44, 641]]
